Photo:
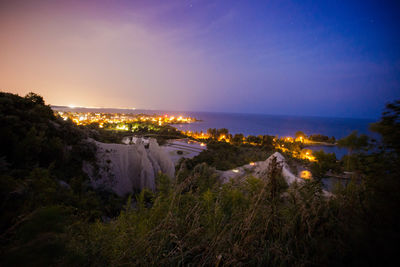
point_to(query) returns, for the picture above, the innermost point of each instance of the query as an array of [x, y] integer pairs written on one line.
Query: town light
[[306, 175]]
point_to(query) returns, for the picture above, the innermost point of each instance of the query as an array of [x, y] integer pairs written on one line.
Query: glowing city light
[[305, 174]]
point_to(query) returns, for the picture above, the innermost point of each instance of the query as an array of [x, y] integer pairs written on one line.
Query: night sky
[[321, 58]]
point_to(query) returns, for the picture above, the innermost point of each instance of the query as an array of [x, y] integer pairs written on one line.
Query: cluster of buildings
[[85, 118]]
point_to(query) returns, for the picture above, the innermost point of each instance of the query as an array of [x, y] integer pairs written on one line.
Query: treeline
[[238, 139], [315, 137], [322, 138]]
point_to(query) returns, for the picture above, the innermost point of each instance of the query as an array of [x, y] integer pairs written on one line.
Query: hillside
[[52, 216], [42, 186]]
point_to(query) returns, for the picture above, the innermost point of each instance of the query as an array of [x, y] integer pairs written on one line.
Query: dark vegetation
[[316, 137], [322, 138], [51, 216], [225, 156], [266, 141], [325, 162], [239, 151], [43, 189]]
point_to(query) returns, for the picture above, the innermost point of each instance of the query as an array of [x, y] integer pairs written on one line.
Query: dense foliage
[[389, 126], [225, 156], [42, 186], [51, 216], [325, 162], [322, 138]]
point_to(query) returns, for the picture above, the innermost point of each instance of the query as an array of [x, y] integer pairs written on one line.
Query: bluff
[[124, 168]]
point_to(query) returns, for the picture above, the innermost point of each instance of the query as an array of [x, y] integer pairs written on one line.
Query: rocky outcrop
[[124, 168], [260, 168]]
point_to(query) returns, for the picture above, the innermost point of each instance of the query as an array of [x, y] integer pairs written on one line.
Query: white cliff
[[123, 168], [260, 168]]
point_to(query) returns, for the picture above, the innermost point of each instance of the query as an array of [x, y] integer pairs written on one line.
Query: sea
[[259, 124]]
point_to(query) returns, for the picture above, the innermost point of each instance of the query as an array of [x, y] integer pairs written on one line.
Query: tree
[[300, 134], [35, 98], [275, 179], [268, 141], [324, 162], [237, 139], [223, 133], [255, 140], [389, 126], [212, 132], [353, 142]]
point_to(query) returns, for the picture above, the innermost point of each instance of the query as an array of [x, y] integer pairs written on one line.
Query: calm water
[[256, 124]]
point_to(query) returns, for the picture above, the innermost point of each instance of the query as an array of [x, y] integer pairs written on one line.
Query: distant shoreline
[[152, 111]]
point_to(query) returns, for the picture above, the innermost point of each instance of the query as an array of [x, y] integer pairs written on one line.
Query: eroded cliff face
[[124, 168], [260, 168]]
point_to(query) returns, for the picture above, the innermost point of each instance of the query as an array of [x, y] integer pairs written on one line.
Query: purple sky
[[323, 58]]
